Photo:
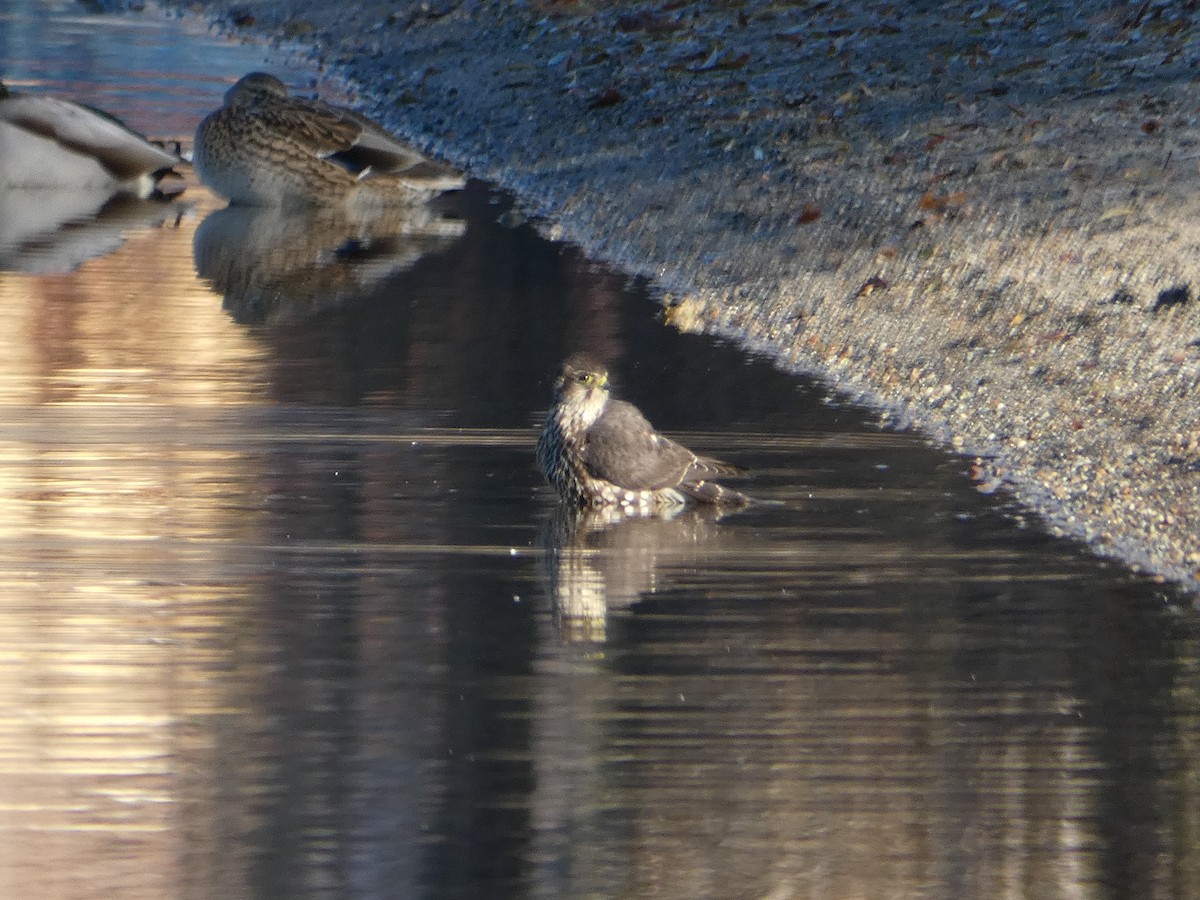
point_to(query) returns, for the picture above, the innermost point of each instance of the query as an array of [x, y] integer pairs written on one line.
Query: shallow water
[[287, 611]]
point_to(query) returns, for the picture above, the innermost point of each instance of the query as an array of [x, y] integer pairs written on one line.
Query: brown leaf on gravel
[[930, 200], [870, 286], [648, 22], [988, 478], [557, 7], [810, 212], [1029, 65], [935, 202], [1056, 337], [718, 60], [797, 38], [294, 29], [933, 141], [685, 63], [607, 97]]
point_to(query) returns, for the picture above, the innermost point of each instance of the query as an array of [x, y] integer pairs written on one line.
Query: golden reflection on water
[[120, 328], [95, 521]]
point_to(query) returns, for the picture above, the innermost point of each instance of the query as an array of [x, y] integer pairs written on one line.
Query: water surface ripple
[[288, 612]]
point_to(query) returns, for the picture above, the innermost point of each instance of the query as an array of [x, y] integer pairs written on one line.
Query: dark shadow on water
[[881, 686]]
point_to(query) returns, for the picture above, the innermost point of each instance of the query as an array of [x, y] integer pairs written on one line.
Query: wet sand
[[979, 218]]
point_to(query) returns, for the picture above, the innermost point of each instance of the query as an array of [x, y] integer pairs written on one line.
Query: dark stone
[[1173, 296]]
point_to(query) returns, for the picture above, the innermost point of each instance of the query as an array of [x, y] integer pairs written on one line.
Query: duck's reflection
[[607, 558], [45, 231], [271, 264]]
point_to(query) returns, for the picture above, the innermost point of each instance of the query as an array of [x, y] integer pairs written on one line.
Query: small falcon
[[600, 452]]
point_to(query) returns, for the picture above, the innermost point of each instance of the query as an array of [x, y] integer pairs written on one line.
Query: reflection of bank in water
[[600, 559], [53, 231], [270, 264]]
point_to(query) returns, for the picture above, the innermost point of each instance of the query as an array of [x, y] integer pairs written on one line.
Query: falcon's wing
[[622, 447]]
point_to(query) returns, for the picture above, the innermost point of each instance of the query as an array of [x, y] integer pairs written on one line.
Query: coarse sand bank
[[982, 218]]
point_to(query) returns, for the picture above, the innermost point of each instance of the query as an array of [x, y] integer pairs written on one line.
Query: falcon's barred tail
[[713, 468], [711, 492], [704, 467]]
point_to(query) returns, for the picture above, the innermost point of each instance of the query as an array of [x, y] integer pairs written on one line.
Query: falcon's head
[[583, 386]]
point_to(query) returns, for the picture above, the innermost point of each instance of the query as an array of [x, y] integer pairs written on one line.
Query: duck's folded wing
[[316, 130], [376, 150]]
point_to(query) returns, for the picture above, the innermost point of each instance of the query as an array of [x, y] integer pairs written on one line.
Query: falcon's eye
[[586, 377]]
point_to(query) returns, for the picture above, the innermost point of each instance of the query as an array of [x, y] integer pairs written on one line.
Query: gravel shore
[[982, 218]]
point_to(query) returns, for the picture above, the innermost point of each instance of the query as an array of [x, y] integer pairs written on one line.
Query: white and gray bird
[[51, 143], [598, 451]]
